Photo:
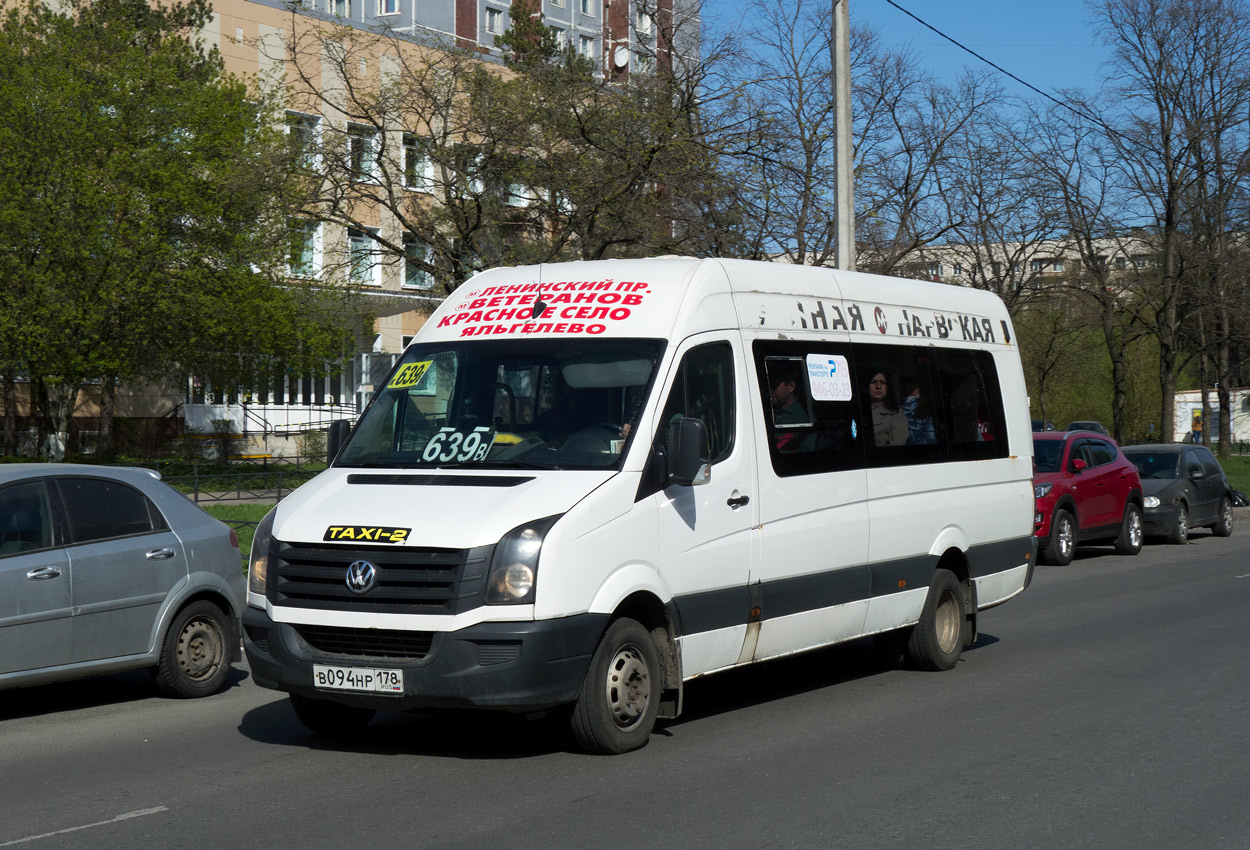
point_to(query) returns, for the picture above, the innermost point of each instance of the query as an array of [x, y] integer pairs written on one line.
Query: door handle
[[43, 573], [738, 501], [162, 554]]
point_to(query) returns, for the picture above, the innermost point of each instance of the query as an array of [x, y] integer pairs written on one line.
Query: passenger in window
[[920, 428], [788, 408], [889, 423]]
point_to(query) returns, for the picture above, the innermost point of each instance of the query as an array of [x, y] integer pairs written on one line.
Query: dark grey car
[[1184, 488], [105, 569]]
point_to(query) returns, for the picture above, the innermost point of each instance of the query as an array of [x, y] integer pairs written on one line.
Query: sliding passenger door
[[811, 584]]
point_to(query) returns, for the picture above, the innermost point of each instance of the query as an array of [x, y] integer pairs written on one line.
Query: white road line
[[127, 816]]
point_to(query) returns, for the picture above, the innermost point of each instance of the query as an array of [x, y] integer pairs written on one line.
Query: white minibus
[[585, 484]]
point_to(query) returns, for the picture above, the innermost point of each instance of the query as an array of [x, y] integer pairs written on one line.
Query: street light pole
[[844, 189]]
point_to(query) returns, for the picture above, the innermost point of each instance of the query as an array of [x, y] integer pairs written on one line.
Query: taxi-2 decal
[[366, 534]]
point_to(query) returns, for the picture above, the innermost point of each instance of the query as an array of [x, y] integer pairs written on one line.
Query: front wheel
[[938, 639], [1224, 527], [1131, 531], [1179, 532], [620, 696], [195, 658], [329, 718]]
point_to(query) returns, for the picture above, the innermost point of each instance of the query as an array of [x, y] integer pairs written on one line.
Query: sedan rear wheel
[[1131, 531], [1179, 532], [1062, 543]]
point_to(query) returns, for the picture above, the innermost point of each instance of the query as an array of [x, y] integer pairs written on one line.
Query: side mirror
[[1197, 473], [689, 458], [1078, 465], [339, 429]]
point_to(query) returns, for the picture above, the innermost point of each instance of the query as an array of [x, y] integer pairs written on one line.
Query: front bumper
[[1160, 520], [516, 666]]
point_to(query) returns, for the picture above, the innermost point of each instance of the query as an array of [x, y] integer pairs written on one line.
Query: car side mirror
[[689, 459], [1079, 465], [1197, 473], [337, 436]]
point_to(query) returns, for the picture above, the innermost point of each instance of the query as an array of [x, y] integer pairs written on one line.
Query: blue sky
[[1050, 45]]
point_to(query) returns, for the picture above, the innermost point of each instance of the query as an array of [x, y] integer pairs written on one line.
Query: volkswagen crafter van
[[586, 484]]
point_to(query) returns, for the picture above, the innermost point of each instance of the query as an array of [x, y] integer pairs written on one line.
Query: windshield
[[1154, 464], [546, 404], [1046, 455]]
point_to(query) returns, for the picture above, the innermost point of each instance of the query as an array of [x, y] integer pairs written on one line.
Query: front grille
[[370, 643], [409, 580]]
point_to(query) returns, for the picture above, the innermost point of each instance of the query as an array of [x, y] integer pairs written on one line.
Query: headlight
[[1151, 501], [258, 561], [1040, 490], [514, 567]]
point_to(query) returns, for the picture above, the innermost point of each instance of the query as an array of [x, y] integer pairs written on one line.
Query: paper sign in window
[[829, 377]]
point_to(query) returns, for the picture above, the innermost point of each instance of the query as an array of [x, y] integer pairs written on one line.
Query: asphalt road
[[1104, 708]]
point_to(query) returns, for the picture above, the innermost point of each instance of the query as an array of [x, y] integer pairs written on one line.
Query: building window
[[644, 23], [494, 21], [418, 169], [416, 253], [587, 7], [304, 248], [362, 152], [342, 8], [304, 135], [362, 258], [388, 7], [1056, 265], [1121, 263], [958, 270], [586, 47]]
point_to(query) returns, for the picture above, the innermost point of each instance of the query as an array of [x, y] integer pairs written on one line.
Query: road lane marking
[[127, 816]]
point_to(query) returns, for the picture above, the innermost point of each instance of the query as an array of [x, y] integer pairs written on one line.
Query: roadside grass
[[1237, 469], [243, 519]]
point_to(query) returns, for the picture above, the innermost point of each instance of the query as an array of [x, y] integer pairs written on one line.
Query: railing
[[253, 480]]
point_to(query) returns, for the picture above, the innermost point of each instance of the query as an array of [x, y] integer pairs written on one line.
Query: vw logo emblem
[[361, 576]]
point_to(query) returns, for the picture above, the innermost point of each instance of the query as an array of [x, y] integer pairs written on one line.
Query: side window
[[975, 422], [899, 388], [811, 415], [1101, 452], [1209, 463], [704, 389], [25, 521], [1190, 462], [101, 509]]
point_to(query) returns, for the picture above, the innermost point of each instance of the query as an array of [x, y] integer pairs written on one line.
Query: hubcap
[[199, 649], [946, 623], [1065, 537], [628, 686], [1182, 525], [1134, 529]]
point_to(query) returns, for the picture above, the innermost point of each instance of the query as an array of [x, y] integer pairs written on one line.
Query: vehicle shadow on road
[[446, 733], [90, 692], [472, 735]]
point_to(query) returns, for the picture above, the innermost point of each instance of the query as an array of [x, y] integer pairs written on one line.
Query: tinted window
[[1101, 453], [99, 509], [704, 389], [1154, 464], [1047, 455], [1209, 463], [25, 520], [812, 418]]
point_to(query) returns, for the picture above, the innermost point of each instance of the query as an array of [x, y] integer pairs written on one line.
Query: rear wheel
[[1179, 532], [1062, 542], [616, 709], [329, 718], [195, 658], [938, 639], [1224, 527]]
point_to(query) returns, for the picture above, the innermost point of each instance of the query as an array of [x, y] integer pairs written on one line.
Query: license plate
[[366, 679]]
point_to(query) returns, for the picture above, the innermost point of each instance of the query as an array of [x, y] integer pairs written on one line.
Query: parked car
[[1086, 491], [1184, 488], [105, 569], [1043, 425], [1088, 425]]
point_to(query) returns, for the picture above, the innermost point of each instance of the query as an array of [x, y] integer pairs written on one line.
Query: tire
[[1132, 531], [1062, 543], [1179, 532], [620, 696], [938, 639], [1224, 526], [330, 718], [195, 657]]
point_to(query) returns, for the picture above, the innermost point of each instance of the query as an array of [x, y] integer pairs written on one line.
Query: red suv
[[1086, 491]]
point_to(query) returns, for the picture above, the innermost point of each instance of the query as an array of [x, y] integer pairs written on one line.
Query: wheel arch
[[659, 620], [955, 561]]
